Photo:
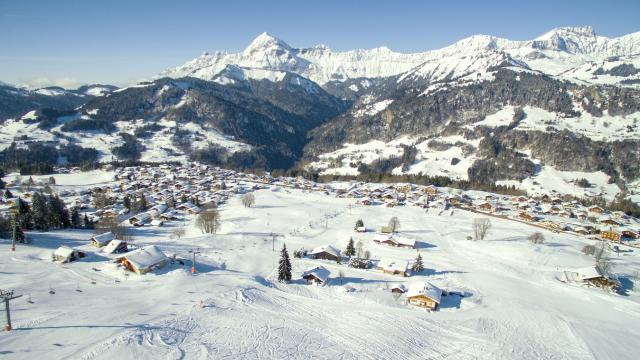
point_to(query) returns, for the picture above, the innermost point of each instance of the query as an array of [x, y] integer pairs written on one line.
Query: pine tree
[[87, 223], [127, 202], [76, 222], [284, 266], [142, 203], [359, 223], [17, 233], [8, 194], [351, 250], [39, 213], [417, 264], [23, 214]]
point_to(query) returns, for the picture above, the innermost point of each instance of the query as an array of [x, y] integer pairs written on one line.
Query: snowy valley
[[502, 294]]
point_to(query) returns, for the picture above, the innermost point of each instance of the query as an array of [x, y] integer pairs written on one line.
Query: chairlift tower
[[7, 296]]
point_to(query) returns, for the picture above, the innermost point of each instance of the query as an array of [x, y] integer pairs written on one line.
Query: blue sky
[[120, 42]]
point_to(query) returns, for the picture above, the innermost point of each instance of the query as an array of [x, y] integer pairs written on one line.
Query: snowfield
[[513, 306]]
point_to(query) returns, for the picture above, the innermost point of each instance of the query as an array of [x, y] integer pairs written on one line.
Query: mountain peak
[[266, 41], [568, 30]]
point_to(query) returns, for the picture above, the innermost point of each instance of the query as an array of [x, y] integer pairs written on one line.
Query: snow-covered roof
[[326, 248], [111, 246], [405, 241], [319, 272], [63, 251], [589, 272], [393, 265], [103, 238], [426, 289], [145, 257]]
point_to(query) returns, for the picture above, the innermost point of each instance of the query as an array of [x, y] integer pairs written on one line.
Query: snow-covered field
[[515, 307]]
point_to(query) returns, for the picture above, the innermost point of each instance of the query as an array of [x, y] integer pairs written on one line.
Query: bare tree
[[178, 232], [359, 249], [208, 221], [248, 200], [367, 254], [394, 224], [602, 260], [536, 238], [481, 228], [110, 223]]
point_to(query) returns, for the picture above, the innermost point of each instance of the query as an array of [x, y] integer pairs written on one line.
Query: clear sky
[[69, 43]]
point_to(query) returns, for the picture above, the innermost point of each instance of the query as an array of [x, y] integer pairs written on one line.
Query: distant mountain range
[[484, 109]]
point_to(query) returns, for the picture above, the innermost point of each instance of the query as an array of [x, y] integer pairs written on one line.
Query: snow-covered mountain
[[553, 53], [484, 109]]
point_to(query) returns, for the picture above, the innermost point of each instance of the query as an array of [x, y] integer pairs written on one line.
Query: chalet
[[551, 225], [526, 216], [398, 241], [140, 219], [102, 239], [318, 275], [485, 206], [398, 289], [327, 252], [144, 260], [590, 276], [424, 295], [115, 246], [393, 267], [596, 209], [629, 232], [385, 229], [606, 219], [431, 190], [365, 201], [65, 254], [611, 235]]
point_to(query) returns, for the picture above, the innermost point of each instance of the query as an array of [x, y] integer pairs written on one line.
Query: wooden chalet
[[318, 275], [393, 267], [327, 252], [102, 239], [424, 295], [65, 254], [144, 260]]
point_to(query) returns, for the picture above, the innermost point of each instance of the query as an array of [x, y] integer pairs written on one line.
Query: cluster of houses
[[546, 211]]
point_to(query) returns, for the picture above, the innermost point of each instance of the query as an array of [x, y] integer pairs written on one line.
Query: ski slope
[[514, 307]]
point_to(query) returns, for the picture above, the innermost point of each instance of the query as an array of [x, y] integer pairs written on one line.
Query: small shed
[[398, 289], [65, 254]]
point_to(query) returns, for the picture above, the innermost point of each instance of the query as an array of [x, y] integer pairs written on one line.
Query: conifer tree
[[76, 222], [126, 202], [39, 213], [359, 223], [284, 266], [8, 194], [17, 233], [351, 250], [142, 203], [87, 223], [417, 264], [23, 214]]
